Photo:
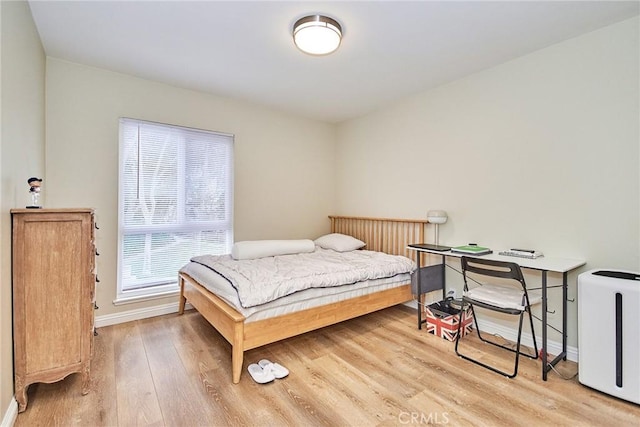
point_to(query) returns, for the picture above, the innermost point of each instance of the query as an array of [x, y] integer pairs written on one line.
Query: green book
[[471, 250]]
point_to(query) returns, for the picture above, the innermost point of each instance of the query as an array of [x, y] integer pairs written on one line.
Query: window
[[175, 201]]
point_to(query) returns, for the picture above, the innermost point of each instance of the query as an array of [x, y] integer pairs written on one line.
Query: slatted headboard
[[382, 234]]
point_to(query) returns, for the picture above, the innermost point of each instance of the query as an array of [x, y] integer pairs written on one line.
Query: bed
[[248, 330]]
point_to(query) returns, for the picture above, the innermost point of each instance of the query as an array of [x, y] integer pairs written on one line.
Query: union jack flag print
[[447, 327]]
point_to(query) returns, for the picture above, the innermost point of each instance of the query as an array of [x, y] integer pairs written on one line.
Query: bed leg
[[182, 301], [237, 356], [237, 351]]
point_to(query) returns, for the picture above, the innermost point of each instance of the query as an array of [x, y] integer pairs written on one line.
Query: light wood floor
[[378, 370]]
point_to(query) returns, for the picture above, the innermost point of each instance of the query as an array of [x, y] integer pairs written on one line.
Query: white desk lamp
[[436, 218]]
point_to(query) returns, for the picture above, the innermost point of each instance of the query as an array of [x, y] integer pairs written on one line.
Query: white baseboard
[[141, 313], [10, 414], [553, 347]]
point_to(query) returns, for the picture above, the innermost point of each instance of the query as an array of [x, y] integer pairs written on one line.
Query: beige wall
[[21, 151], [284, 166], [540, 152]]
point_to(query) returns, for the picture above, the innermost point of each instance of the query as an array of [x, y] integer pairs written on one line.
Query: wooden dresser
[[53, 296]]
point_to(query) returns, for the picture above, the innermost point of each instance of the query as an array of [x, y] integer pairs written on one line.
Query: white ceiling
[[244, 50]]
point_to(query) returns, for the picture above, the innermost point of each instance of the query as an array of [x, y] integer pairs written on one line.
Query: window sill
[[123, 300]]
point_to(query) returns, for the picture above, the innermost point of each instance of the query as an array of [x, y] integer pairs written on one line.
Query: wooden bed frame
[[380, 234]]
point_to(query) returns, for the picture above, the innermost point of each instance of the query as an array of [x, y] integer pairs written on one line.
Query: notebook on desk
[[430, 247], [471, 250]]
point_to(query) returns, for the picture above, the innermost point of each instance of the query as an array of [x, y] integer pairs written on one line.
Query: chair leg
[[475, 322], [518, 353], [533, 356], [460, 326], [484, 365]]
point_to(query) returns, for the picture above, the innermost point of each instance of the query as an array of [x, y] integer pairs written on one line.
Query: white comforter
[[259, 281]]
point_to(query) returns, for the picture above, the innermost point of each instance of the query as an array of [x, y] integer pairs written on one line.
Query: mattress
[[261, 280], [298, 301]]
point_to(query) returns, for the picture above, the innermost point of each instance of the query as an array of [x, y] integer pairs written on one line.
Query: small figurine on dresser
[[34, 190]]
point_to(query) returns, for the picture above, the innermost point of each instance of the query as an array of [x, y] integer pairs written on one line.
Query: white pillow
[[252, 249], [339, 242]]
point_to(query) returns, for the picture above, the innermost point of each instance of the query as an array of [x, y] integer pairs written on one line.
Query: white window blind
[[175, 202]]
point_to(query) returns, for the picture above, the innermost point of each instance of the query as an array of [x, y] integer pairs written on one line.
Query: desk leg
[[546, 364], [444, 286], [564, 315], [419, 288], [544, 325]]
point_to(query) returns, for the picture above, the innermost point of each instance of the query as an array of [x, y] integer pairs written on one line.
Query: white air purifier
[[609, 332]]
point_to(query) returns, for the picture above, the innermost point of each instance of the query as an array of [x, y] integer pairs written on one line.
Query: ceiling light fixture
[[317, 34]]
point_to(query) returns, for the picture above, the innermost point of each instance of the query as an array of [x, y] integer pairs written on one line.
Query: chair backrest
[[492, 268]]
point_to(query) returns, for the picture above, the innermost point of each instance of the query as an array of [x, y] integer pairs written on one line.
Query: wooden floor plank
[[181, 399], [136, 397], [377, 370], [367, 397], [99, 406], [201, 356]]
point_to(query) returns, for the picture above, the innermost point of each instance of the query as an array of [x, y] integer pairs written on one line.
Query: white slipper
[[260, 375], [276, 369]]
